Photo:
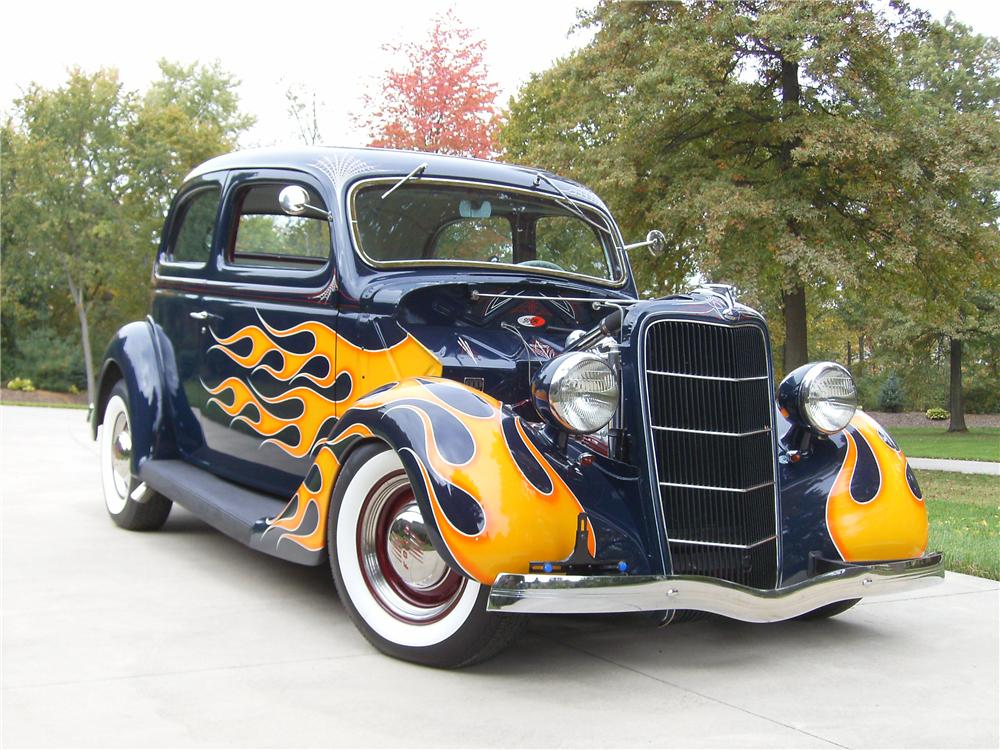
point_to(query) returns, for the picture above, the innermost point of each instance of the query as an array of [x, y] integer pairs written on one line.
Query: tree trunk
[[956, 403], [861, 355], [793, 305], [850, 361], [76, 293]]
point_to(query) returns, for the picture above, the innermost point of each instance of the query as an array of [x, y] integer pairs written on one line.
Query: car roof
[[341, 165]]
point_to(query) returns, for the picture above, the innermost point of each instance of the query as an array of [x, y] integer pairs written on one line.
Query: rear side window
[[195, 226], [266, 236]]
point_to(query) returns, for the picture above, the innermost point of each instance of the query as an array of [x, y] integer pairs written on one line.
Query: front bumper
[[535, 593]]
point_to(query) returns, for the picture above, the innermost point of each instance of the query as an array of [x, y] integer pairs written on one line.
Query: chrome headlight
[[577, 392], [821, 395]]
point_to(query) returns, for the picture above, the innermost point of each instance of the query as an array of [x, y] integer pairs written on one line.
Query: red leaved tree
[[442, 100]]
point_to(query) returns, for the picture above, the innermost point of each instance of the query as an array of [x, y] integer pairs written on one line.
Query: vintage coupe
[[436, 374]]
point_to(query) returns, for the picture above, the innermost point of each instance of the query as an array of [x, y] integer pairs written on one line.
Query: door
[[267, 366]]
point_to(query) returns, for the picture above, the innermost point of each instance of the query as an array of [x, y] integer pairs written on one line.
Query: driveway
[[184, 638]]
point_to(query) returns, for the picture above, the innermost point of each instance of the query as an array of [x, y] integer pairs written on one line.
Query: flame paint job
[[345, 363], [496, 500], [871, 511]]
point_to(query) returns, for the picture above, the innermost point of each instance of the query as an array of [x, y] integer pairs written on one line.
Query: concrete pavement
[[951, 464], [184, 638]]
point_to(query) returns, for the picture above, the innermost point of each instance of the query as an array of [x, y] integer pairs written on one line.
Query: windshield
[[427, 222]]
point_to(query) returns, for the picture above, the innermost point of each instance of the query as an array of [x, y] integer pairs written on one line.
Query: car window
[[196, 225], [488, 239], [266, 236], [570, 244]]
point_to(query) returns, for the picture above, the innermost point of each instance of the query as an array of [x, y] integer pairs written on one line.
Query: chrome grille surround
[[712, 452]]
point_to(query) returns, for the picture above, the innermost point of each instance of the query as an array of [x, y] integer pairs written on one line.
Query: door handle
[[205, 315]]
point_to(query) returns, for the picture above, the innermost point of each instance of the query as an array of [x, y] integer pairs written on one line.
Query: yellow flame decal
[[893, 524], [522, 523], [365, 369], [315, 410], [326, 463]]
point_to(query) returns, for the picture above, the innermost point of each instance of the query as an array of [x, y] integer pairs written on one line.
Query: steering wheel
[[542, 264]]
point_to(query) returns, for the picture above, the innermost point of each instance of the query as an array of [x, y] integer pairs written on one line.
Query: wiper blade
[[569, 205], [419, 170]]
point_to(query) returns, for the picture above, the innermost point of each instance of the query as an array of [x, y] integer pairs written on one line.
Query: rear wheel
[[397, 589], [145, 511]]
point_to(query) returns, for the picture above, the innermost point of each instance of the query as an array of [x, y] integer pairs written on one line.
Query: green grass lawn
[[965, 520], [979, 444]]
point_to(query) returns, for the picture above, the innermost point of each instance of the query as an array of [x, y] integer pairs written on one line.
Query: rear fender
[[134, 356]]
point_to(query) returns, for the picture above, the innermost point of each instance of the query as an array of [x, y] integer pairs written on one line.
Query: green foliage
[[52, 360], [89, 169], [890, 397], [937, 414], [21, 384]]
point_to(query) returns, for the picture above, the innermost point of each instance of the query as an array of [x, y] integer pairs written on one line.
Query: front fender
[[853, 497], [495, 495]]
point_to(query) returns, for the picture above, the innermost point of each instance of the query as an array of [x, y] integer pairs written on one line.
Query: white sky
[[333, 48]]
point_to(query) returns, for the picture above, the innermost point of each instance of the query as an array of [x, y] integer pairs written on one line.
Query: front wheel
[[149, 510], [397, 589]]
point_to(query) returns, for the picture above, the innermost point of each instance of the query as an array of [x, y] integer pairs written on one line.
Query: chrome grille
[[708, 402]]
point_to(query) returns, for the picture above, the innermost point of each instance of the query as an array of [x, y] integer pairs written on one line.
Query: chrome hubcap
[[401, 568], [411, 552], [121, 455]]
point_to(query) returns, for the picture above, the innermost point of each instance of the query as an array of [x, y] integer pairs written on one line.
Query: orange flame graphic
[[365, 369], [290, 527], [890, 526], [522, 522]]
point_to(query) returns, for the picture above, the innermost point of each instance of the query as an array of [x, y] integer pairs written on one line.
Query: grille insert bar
[[708, 400]]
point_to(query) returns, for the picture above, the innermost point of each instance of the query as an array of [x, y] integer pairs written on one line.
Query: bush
[[50, 361], [937, 413], [982, 397], [21, 384], [890, 397]]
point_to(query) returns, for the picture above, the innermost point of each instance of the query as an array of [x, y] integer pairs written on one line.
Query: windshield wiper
[[569, 205], [419, 170]]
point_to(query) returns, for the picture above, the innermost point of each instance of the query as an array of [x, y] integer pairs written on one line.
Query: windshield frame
[[613, 244]]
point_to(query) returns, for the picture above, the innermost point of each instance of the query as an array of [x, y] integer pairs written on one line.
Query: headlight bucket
[[577, 392], [821, 396]]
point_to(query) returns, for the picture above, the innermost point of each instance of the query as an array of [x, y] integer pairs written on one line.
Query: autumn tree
[[440, 100], [762, 136], [88, 171]]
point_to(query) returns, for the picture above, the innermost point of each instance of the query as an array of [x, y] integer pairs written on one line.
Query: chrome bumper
[[570, 594]]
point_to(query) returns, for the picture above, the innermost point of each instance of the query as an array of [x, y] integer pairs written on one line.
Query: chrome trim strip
[[724, 544], [705, 377], [554, 594], [710, 432], [718, 489], [617, 241]]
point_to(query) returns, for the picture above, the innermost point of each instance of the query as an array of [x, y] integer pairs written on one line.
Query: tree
[[441, 100], [952, 81], [302, 107], [89, 169], [763, 136]]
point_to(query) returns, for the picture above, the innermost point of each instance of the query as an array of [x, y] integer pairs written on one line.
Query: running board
[[236, 511]]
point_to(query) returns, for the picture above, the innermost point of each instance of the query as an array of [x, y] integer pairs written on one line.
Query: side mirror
[[293, 199], [655, 240]]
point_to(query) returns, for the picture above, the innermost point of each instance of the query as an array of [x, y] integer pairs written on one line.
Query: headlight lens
[[828, 397], [578, 390]]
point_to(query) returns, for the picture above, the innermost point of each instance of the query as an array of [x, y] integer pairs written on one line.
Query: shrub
[[937, 413], [21, 384], [890, 397], [50, 361]]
